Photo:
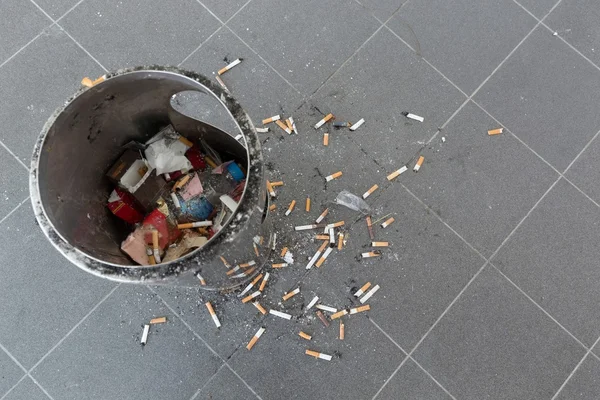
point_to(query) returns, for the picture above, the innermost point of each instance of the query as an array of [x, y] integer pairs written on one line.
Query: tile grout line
[[43, 11], [14, 386], [13, 210], [9, 354], [69, 10], [22, 48], [200, 45], [432, 378], [81, 47], [575, 370], [14, 155], [207, 382], [40, 387], [176, 314], [74, 328]]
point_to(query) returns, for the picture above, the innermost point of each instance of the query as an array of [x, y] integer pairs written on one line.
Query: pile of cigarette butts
[[172, 194]]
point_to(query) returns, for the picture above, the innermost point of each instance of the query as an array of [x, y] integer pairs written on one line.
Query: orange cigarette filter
[[307, 204], [338, 224], [272, 207], [264, 282], [283, 126], [185, 141], [225, 262], [260, 308], [326, 139], [269, 120], [291, 294], [155, 239], [291, 207], [258, 278], [333, 176], [340, 241], [255, 338], [181, 182], [283, 251], [339, 314], [256, 250], [387, 222], [279, 265], [419, 163], [370, 191], [89, 83], [322, 237], [323, 246], [270, 189], [322, 216], [289, 124], [213, 314], [342, 333], [278, 183], [159, 320], [495, 131], [380, 244], [304, 335], [250, 297]]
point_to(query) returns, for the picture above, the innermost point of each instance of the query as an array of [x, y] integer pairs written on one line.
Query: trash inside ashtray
[[352, 201]]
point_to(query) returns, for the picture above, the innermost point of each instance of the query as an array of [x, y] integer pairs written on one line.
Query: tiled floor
[[492, 284]]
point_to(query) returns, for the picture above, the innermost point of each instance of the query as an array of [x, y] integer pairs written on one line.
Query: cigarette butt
[[256, 279], [293, 125], [495, 131], [333, 176], [322, 237], [291, 207], [364, 287], [272, 207], [387, 222], [280, 314], [246, 289], [380, 244], [322, 216], [368, 295], [145, 334], [357, 124], [159, 320], [99, 80], [243, 274], [279, 265], [269, 120], [270, 189], [360, 309], [371, 254], [370, 227], [210, 162], [312, 302], [250, 297], [291, 294], [305, 227], [283, 251], [314, 258], [260, 307], [418, 164], [318, 355], [220, 81], [334, 225], [397, 173], [325, 119], [212, 314], [225, 262], [197, 224], [277, 183], [87, 82], [323, 318], [340, 240], [289, 124], [341, 124], [327, 308], [304, 335], [332, 237], [181, 182], [255, 338], [264, 282], [283, 126], [155, 239], [326, 139], [151, 259], [262, 130], [202, 281], [256, 250], [229, 66], [413, 116], [324, 256], [339, 314], [274, 242], [322, 247], [341, 330], [175, 200], [233, 270], [370, 191], [307, 208], [185, 141]]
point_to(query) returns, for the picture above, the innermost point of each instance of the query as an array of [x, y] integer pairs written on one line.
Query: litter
[[145, 334], [272, 207], [324, 257], [197, 224], [255, 338], [250, 285], [288, 258], [293, 125], [370, 191], [307, 208], [397, 173], [274, 242], [316, 256], [270, 189], [318, 355], [124, 206], [340, 240], [418, 164], [334, 225], [280, 265], [283, 127], [333, 176], [291, 294], [262, 130], [166, 151], [322, 237], [312, 303], [280, 314], [304, 335], [326, 139], [371, 254], [341, 124], [260, 307], [341, 330], [256, 250], [332, 237], [362, 308], [387, 222], [212, 314], [200, 278], [413, 116], [326, 308], [352, 201], [368, 295], [322, 216], [264, 282], [269, 120], [229, 66], [248, 264], [89, 83], [220, 81], [360, 291], [155, 248], [289, 124], [322, 318], [175, 200], [357, 124], [325, 119], [495, 131], [339, 314], [278, 183], [283, 251], [130, 171], [159, 320], [380, 244], [306, 227], [252, 296], [290, 208], [370, 227]]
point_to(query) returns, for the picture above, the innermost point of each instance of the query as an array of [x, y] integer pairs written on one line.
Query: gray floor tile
[[158, 34], [480, 185], [543, 94], [494, 343], [36, 312], [461, 37], [37, 81], [13, 182], [21, 21], [26, 390], [11, 373], [103, 358], [382, 9], [362, 89], [585, 172], [410, 383], [576, 22], [310, 45], [225, 386], [224, 9], [585, 383], [260, 91], [424, 258], [539, 8], [56, 8], [553, 258]]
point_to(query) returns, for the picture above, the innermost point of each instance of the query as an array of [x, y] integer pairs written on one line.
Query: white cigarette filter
[[369, 294], [413, 116], [291, 294], [213, 314], [274, 241], [229, 66], [269, 120], [318, 355], [418, 164], [262, 130], [251, 296], [250, 285], [370, 254], [360, 291], [202, 281], [397, 173], [293, 125], [260, 307], [322, 216], [332, 237], [280, 314], [359, 309], [326, 308], [291, 207], [333, 176], [312, 302], [218, 79], [255, 338], [313, 260], [370, 191], [175, 200], [305, 227], [271, 190], [387, 222], [284, 127], [145, 334], [248, 264], [325, 119], [357, 124], [197, 224], [324, 256]]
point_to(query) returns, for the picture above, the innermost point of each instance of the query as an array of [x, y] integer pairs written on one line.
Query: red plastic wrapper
[[167, 232], [172, 176], [124, 205], [196, 157]]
